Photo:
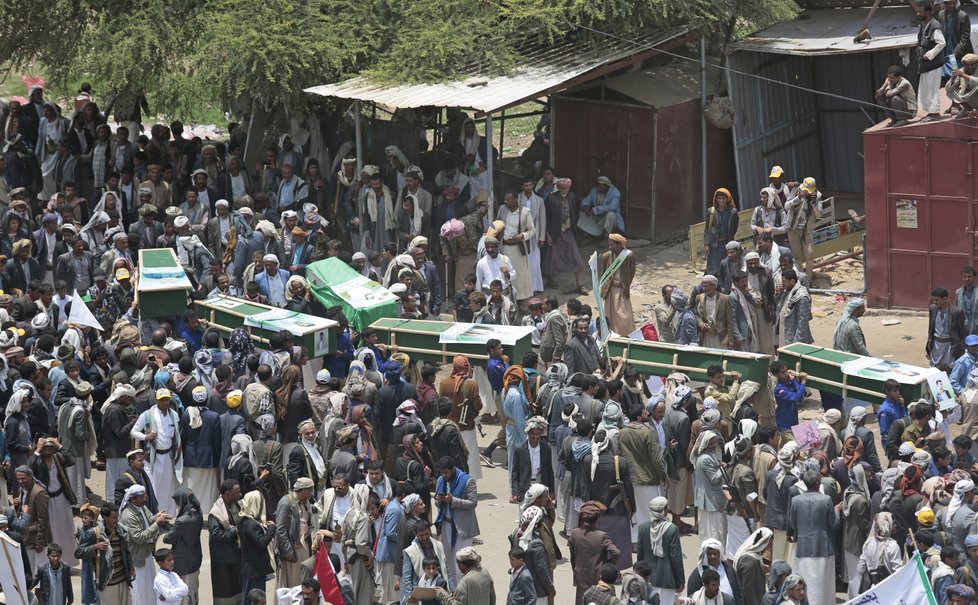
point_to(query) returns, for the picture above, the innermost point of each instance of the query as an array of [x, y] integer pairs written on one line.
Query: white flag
[[908, 586], [12, 576], [81, 315]]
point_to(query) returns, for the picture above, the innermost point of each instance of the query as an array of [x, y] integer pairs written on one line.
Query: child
[[86, 535], [940, 463], [788, 393], [891, 409], [962, 457], [53, 580], [432, 578], [461, 300], [522, 591], [170, 589], [944, 574]]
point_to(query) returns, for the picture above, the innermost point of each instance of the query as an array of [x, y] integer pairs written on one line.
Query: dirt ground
[[657, 265]]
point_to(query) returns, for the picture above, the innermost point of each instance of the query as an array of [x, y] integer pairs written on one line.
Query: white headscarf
[[528, 523], [659, 524], [17, 400], [241, 448], [855, 416], [961, 489], [755, 544], [133, 490], [121, 390], [786, 461], [596, 448]]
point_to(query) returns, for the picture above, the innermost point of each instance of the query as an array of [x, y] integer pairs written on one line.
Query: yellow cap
[[163, 394], [233, 399], [21, 332], [925, 516], [122, 273], [808, 185], [776, 172]]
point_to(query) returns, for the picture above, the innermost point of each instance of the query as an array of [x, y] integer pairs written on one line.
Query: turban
[[593, 508], [410, 501], [222, 203], [134, 491], [617, 237], [563, 181], [710, 403], [832, 416], [452, 229], [302, 483], [398, 288], [266, 228], [346, 433], [961, 590], [710, 279], [23, 468], [535, 491], [3, 520], [752, 256], [21, 244], [233, 399], [603, 180], [970, 58], [490, 240], [132, 453], [536, 422], [921, 459], [181, 221], [419, 241], [528, 523], [323, 377], [359, 256], [468, 554], [734, 245], [971, 540], [370, 170], [270, 258], [906, 448], [199, 393]]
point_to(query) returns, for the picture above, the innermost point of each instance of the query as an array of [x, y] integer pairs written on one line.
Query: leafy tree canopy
[[188, 54]]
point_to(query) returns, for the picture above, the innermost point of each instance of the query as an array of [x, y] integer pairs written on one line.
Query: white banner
[[908, 586], [12, 579], [81, 315]]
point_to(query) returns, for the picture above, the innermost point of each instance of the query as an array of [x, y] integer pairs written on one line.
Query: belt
[[166, 451], [56, 494], [510, 422], [941, 339]]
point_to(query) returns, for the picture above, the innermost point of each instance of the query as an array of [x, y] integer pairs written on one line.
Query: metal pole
[[356, 123], [489, 165], [703, 145]]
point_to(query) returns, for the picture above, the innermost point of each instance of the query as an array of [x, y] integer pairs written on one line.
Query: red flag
[[328, 583]]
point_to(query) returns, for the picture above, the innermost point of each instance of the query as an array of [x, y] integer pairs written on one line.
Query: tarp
[[908, 586], [363, 301]]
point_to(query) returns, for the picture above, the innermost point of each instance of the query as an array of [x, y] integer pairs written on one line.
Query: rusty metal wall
[[922, 210]]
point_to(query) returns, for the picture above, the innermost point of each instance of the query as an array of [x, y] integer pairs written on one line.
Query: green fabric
[[158, 257], [325, 274]]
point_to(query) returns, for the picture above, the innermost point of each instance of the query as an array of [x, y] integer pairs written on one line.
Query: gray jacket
[[287, 519], [463, 511], [960, 525], [972, 326], [140, 537], [812, 522], [521, 588], [708, 484]]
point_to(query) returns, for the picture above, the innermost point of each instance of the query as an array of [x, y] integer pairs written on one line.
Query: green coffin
[[226, 313], [419, 339], [162, 287], [363, 301], [660, 358], [824, 369]]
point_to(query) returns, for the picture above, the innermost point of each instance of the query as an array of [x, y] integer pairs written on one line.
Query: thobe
[[162, 473], [711, 340], [744, 322], [519, 222], [534, 204], [940, 350], [489, 269], [762, 324], [615, 293]]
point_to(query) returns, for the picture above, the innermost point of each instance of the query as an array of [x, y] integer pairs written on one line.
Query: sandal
[[582, 290]]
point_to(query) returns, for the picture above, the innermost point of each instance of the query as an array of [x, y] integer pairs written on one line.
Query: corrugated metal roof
[[830, 31], [546, 69], [665, 86]]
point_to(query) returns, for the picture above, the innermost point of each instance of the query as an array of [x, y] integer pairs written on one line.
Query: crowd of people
[[359, 483]]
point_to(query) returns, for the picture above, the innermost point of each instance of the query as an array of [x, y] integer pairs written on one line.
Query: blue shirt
[[495, 368], [959, 373], [787, 395], [339, 366], [889, 411], [194, 339]]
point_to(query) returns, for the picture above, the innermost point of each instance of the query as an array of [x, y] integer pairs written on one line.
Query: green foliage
[[189, 56]]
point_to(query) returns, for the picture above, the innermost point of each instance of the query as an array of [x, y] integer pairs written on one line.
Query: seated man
[[898, 96], [601, 210], [962, 86]]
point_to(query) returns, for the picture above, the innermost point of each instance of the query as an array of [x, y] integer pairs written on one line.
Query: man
[[930, 60], [159, 427], [293, 524], [532, 461], [114, 565], [601, 210], [959, 520], [848, 335], [708, 481], [965, 299], [645, 451], [617, 270], [135, 474], [804, 210], [534, 205], [963, 83], [159, 189], [517, 234], [964, 364], [217, 233], [271, 282], [554, 334], [292, 191], [733, 263], [200, 435], [493, 266], [857, 419], [461, 247], [715, 315], [305, 459], [456, 496], [761, 287], [957, 34], [812, 523], [77, 432], [710, 593], [897, 97], [743, 312], [33, 497], [148, 229], [46, 240], [794, 312], [581, 352], [677, 423], [476, 586], [21, 269], [412, 566], [945, 331], [116, 424], [141, 530], [75, 268]]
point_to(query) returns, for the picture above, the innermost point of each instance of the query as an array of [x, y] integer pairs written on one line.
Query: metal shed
[[779, 121], [643, 130]]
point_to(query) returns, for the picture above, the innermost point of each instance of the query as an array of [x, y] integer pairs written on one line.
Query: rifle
[[734, 500], [622, 495]]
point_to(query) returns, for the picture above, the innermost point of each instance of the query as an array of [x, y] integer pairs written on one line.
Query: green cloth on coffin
[[363, 301]]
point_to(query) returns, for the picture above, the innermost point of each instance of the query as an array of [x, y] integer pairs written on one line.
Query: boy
[[521, 588], [53, 580], [788, 393], [940, 463], [944, 574], [86, 534], [170, 589], [891, 409], [477, 306], [962, 457], [726, 396], [432, 578], [461, 300], [192, 333]]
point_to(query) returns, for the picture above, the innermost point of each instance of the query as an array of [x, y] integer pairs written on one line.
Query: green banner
[[363, 301]]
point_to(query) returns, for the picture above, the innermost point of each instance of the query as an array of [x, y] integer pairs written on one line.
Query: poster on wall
[[906, 214]]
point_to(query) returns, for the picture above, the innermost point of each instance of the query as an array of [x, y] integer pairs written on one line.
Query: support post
[[703, 144], [359, 139], [489, 167]]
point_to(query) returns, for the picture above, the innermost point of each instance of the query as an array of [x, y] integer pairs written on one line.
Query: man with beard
[[581, 352], [742, 307], [963, 85], [462, 248], [794, 312], [761, 287], [733, 263]]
